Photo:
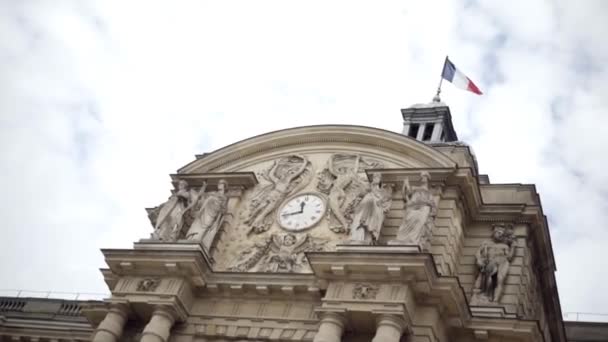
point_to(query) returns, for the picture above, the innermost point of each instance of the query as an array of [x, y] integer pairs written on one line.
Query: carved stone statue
[[283, 177], [285, 253], [279, 253], [170, 218], [344, 176], [340, 181], [209, 217], [418, 218], [493, 259], [369, 214]]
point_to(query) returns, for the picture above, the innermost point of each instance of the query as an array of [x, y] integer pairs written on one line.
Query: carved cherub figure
[[278, 253], [285, 253], [493, 259]]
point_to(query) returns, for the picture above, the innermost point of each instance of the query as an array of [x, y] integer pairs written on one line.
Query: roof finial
[[436, 98]]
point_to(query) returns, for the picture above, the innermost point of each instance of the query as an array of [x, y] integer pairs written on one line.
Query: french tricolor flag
[[450, 73]]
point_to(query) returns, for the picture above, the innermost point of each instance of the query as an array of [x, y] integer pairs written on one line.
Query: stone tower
[[430, 123]]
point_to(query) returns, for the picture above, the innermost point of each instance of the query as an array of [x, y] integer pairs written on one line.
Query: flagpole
[[437, 98]]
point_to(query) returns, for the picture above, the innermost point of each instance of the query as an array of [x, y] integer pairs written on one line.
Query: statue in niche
[[370, 212], [340, 181], [209, 216], [420, 211], [493, 259], [279, 253], [170, 217], [283, 177]]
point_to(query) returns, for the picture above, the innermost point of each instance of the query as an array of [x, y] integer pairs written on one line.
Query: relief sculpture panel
[[343, 180], [279, 253], [285, 176], [287, 213]]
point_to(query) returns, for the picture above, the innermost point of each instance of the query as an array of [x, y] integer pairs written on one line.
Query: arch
[[322, 136]]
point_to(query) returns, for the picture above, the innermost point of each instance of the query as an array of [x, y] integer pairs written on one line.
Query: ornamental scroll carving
[[190, 214], [420, 209], [493, 259], [341, 182], [284, 177], [279, 253]]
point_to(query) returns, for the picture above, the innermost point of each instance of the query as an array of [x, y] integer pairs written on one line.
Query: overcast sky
[[101, 100]]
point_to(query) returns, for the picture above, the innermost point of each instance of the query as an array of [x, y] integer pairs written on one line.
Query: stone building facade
[[326, 233]]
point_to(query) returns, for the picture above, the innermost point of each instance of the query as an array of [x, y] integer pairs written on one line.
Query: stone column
[[110, 329], [437, 132], [159, 327], [331, 327], [389, 328]]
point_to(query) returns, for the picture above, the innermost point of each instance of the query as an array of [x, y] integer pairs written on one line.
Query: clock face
[[301, 212]]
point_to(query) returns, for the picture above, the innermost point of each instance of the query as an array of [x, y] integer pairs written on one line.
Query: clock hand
[[302, 204], [292, 213]]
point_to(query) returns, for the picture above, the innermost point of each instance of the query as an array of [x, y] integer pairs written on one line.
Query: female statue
[[369, 213], [420, 209], [209, 218], [170, 220]]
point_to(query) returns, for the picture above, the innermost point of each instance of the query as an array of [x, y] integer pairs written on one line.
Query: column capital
[[331, 327], [111, 327], [391, 320], [166, 311], [121, 309], [333, 317]]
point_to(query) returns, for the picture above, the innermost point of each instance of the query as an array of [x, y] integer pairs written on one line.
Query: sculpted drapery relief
[[170, 217], [344, 187], [189, 214], [278, 253], [284, 177], [210, 215], [420, 209], [370, 212], [493, 259]]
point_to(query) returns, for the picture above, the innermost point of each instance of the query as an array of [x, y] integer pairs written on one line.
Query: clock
[[301, 212]]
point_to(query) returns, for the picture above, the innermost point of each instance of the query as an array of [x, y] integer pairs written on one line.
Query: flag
[[450, 73]]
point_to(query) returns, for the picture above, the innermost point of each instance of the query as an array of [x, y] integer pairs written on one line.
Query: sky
[[101, 100]]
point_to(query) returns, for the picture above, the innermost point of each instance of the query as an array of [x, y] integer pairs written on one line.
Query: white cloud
[[100, 101]]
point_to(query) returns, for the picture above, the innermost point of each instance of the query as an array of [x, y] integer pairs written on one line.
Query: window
[[428, 132], [413, 130]]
